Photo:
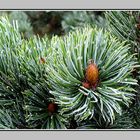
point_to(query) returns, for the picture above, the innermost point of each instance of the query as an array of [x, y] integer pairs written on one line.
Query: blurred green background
[[53, 22]]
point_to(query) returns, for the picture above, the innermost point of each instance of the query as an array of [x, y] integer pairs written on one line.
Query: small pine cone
[[52, 108], [92, 74]]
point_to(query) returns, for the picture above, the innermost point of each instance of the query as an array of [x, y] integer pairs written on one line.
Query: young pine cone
[[91, 75]]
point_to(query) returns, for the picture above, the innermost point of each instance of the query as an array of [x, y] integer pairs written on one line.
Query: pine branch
[[12, 83], [66, 73], [6, 120], [23, 85], [83, 80], [37, 98], [125, 25]]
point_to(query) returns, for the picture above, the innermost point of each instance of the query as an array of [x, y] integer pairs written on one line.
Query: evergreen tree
[[86, 79]]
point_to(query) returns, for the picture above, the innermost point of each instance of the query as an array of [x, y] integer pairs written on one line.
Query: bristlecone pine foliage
[[12, 82], [24, 95], [124, 121], [82, 80], [111, 64], [125, 25], [38, 101]]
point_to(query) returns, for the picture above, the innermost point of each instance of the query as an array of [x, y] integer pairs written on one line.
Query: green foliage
[[3, 13], [41, 79], [24, 25], [6, 120], [134, 111], [12, 80], [125, 25], [74, 19], [66, 70], [37, 98], [23, 86], [123, 121]]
